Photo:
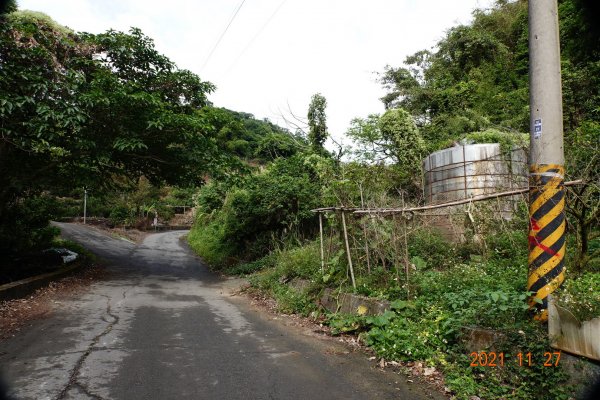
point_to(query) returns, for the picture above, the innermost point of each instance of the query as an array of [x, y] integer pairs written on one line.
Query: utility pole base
[[547, 241]]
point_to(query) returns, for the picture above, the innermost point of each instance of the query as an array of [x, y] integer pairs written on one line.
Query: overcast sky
[[278, 53]]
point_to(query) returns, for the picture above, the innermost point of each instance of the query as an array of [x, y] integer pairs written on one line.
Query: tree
[[476, 78], [84, 108], [7, 6], [392, 137], [317, 121], [93, 110]]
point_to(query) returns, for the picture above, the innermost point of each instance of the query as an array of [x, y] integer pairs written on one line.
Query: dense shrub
[[258, 213], [582, 296], [431, 246], [24, 225]]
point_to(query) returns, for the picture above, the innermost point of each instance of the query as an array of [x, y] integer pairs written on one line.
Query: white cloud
[[327, 46]]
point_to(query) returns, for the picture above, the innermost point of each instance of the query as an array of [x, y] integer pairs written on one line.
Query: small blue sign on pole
[[537, 128]]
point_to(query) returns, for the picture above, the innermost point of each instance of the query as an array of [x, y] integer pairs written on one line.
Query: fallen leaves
[[14, 314]]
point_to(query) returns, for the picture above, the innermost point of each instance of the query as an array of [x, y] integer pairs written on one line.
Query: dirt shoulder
[[15, 314], [417, 373]]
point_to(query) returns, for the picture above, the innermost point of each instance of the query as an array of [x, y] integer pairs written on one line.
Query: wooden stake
[[348, 250], [395, 246], [364, 227], [321, 236], [406, 261]]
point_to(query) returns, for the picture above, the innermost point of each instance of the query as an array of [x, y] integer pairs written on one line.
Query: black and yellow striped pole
[[546, 159]]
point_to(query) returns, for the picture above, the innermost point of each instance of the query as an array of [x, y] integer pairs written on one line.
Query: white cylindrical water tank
[[461, 172]]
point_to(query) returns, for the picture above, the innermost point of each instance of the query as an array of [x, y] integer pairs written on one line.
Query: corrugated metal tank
[[471, 170], [461, 172]]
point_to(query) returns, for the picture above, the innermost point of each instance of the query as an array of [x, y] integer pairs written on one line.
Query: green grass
[[207, 241]]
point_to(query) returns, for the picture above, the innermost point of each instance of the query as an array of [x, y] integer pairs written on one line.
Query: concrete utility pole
[[546, 159], [84, 205]]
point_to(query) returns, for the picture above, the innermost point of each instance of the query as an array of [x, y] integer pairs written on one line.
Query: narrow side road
[[160, 326]]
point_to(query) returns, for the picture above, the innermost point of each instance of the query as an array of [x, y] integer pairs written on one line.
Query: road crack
[[73, 378]]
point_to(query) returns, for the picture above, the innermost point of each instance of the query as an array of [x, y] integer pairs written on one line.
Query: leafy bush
[[581, 296], [507, 140], [408, 334], [24, 225], [508, 245], [431, 246], [259, 213], [121, 214], [208, 240], [210, 197]]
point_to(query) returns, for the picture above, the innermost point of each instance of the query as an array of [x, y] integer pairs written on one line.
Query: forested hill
[[476, 78], [243, 135]]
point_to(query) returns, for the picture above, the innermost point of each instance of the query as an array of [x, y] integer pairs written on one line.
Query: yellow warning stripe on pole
[[546, 234]]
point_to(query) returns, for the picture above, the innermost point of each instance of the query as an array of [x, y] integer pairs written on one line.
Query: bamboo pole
[[451, 203], [406, 261], [395, 246], [434, 206], [321, 237], [348, 250], [364, 226]]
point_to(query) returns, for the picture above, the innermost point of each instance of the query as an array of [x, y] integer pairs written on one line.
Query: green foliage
[[211, 197], [402, 135], [317, 121], [24, 226], [406, 335], [475, 79], [268, 261], [95, 110], [344, 184], [507, 246], [581, 296], [7, 6], [507, 140], [258, 212], [209, 241], [432, 248], [366, 135], [287, 265], [83, 108], [246, 137], [33, 18], [582, 206], [392, 137]]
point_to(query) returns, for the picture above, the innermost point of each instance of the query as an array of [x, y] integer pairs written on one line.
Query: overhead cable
[[223, 34], [262, 28]]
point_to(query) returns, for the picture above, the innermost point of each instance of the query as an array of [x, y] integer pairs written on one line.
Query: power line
[[223, 34], [262, 28]]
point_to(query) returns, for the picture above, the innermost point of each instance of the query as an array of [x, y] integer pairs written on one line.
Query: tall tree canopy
[[90, 110], [80, 109], [392, 137], [477, 76], [317, 121]]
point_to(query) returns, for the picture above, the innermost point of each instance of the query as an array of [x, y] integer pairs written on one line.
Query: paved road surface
[[161, 327]]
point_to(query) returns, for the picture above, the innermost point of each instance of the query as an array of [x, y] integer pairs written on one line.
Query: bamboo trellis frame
[[354, 210], [395, 211]]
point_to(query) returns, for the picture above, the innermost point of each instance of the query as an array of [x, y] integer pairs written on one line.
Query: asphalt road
[[161, 326]]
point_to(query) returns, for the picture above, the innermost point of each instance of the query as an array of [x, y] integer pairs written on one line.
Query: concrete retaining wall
[[25, 287]]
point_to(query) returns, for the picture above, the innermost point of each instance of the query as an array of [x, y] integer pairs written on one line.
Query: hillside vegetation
[[110, 114], [472, 87]]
